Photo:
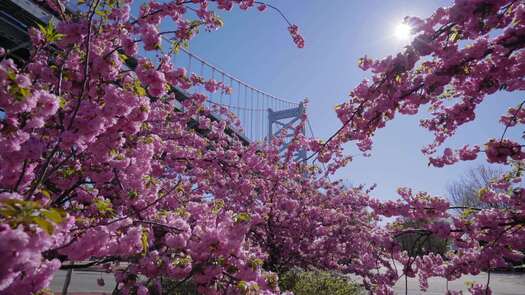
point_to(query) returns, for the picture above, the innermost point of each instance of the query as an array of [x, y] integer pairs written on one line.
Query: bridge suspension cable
[[247, 102]]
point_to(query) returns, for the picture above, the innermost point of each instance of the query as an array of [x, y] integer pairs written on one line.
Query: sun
[[403, 32]]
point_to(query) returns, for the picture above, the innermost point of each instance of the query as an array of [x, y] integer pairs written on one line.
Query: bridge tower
[[287, 119]]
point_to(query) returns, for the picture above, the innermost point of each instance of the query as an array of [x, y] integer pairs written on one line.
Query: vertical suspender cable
[[256, 115], [265, 114], [238, 101], [230, 94], [213, 80], [202, 86], [251, 116], [259, 117], [245, 104], [222, 90], [189, 68]]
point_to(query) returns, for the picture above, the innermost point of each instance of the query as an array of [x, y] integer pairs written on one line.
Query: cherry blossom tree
[[98, 166]]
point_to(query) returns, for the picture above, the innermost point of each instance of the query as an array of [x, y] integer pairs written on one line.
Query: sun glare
[[403, 32]]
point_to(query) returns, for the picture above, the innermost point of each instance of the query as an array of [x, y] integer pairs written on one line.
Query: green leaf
[[57, 37], [195, 23], [182, 261], [112, 3], [482, 192], [144, 240], [181, 212], [11, 75], [19, 93], [398, 78], [122, 57], [217, 206], [8, 212], [466, 213], [50, 33], [139, 90], [255, 262], [53, 214], [42, 29], [44, 224], [175, 46], [219, 261], [46, 193], [24, 92], [103, 206], [232, 269], [61, 102], [68, 171], [242, 217], [150, 180], [455, 36], [242, 285], [133, 194], [102, 13], [148, 140]]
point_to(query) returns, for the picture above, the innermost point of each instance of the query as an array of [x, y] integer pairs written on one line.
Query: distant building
[[16, 16]]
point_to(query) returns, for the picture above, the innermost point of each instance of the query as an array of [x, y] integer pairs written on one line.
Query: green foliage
[[242, 217], [139, 90], [217, 206], [17, 212], [317, 283], [177, 45], [246, 288], [255, 262], [144, 241], [297, 281], [104, 206], [49, 32], [19, 93]]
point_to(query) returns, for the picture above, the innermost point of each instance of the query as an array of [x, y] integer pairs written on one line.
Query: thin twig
[[512, 121], [22, 174]]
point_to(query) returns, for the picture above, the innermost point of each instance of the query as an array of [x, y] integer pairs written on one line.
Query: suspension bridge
[[261, 115]]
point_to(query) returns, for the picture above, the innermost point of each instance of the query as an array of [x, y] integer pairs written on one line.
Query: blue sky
[[256, 47]]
